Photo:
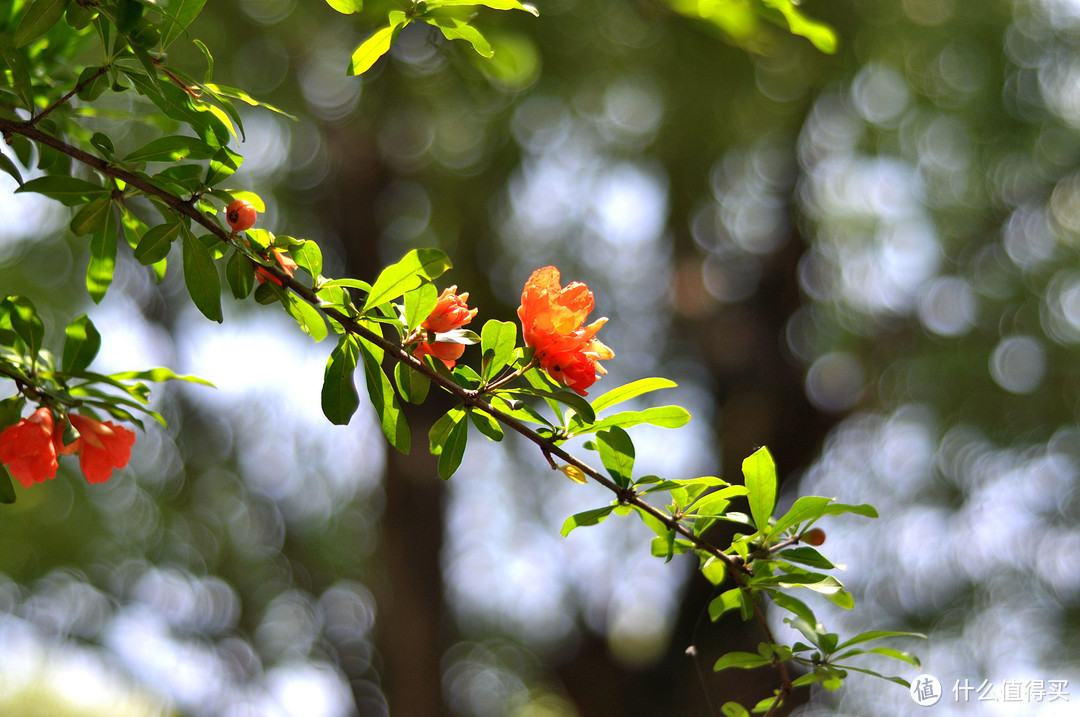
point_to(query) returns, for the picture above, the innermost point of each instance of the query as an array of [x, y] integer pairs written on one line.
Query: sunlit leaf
[[497, 341], [179, 15], [743, 660], [156, 242], [617, 454], [69, 191], [81, 344], [381, 393], [759, 472], [406, 275], [99, 271], [630, 390], [371, 49], [588, 517]]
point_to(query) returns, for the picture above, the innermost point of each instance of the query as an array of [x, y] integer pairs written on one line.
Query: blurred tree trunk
[[409, 593]]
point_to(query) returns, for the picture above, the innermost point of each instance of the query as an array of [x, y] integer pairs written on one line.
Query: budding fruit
[[241, 215], [814, 536]]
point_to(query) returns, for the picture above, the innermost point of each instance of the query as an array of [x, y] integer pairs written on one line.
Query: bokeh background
[[867, 261]]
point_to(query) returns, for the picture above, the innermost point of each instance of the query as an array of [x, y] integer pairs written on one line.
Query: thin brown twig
[[74, 91]]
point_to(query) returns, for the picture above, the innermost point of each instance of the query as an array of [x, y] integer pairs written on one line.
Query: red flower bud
[[814, 536], [285, 262], [445, 351], [241, 215], [451, 312]]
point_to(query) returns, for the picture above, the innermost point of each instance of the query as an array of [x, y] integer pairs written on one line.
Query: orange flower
[[27, 448], [285, 262], [553, 323], [445, 351], [101, 447], [451, 312]]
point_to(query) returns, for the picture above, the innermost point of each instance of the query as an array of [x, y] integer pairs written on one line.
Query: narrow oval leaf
[[39, 17], [412, 384], [156, 242], [724, 602], [99, 271], [179, 15], [498, 339], [69, 191], [371, 49], [453, 449], [201, 277], [630, 390], [81, 344], [588, 517], [172, 149], [419, 303], [339, 396], [381, 393], [240, 274], [308, 317], [759, 472], [7, 490], [617, 454], [308, 256], [744, 660], [346, 7], [406, 275]]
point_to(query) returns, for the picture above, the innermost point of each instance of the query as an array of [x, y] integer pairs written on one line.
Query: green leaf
[[179, 16], [821, 35], [886, 651], [453, 448], [201, 277], [20, 78], [759, 471], [486, 424], [617, 454], [223, 164], [726, 601], [878, 635], [156, 242], [494, 4], [498, 339], [440, 432], [455, 28], [26, 324], [94, 81], [238, 94], [339, 396], [99, 272], [172, 149], [569, 398], [406, 275], [807, 556], [381, 393], [240, 273], [630, 390], [733, 709], [743, 660], [661, 416], [10, 167], [371, 49], [419, 303], [38, 18], [346, 7], [713, 504], [91, 217], [309, 257], [307, 316], [588, 517], [794, 606], [158, 375], [412, 384], [69, 191], [81, 344]]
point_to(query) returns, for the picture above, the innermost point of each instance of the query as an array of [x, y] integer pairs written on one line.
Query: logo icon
[[925, 690]]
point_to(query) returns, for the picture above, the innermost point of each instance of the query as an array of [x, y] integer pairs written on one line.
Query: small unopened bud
[[814, 536], [573, 473]]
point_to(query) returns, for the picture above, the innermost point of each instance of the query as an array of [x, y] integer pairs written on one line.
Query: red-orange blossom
[[553, 323], [30, 448]]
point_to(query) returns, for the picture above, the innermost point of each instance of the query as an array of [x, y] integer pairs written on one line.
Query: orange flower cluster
[[451, 312], [30, 448], [553, 323], [285, 262]]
